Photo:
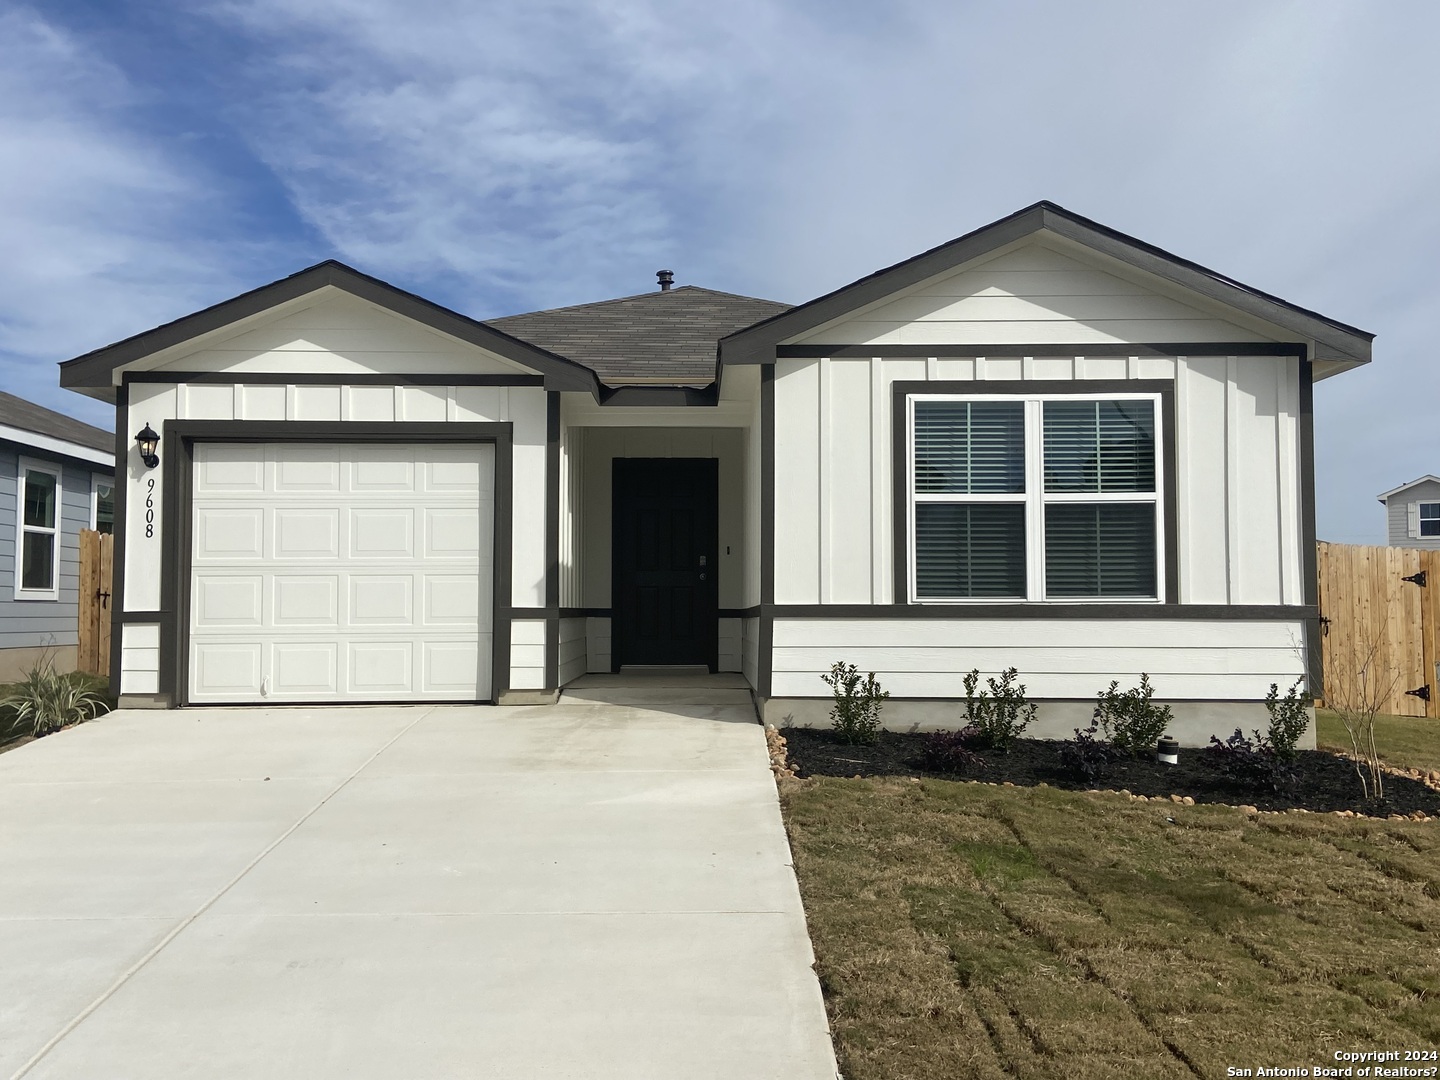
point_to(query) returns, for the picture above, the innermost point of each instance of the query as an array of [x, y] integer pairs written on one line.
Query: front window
[[38, 562], [102, 504], [1430, 519], [1035, 498]]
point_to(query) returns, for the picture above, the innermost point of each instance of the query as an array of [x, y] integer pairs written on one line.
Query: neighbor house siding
[[1397, 515], [42, 623]]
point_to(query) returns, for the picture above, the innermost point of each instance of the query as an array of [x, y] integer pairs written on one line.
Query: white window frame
[[96, 479], [1420, 519], [1036, 499], [52, 469]]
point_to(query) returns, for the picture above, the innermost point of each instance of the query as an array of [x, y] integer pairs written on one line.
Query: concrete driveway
[[593, 889]]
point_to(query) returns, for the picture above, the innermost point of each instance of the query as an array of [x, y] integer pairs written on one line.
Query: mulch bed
[[1326, 782]]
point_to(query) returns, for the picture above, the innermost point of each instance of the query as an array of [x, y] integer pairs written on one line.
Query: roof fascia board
[[756, 344], [1407, 486], [33, 440], [95, 370]]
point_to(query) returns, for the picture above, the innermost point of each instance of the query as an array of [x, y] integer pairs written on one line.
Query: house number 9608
[[150, 507]]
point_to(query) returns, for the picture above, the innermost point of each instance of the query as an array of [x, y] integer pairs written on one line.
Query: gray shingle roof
[[655, 337], [27, 416]]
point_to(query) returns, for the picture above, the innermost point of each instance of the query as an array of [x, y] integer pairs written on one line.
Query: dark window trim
[[177, 521], [900, 455], [280, 378], [1150, 350]]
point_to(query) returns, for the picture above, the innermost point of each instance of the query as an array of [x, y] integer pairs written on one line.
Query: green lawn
[[1404, 741], [963, 930]]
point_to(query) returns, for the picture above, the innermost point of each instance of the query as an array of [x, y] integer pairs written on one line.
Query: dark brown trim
[[552, 540], [118, 614], [756, 344], [900, 452], [93, 372], [605, 613], [177, 518], [1099, 349], [151, 618], [967, 611], [535, 613], [764, 655], [661, 396], [277, 378], [1309, 582]]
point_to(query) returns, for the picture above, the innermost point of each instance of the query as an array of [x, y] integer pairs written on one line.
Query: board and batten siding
[[333, 335], [1397, 516], [29, 624]]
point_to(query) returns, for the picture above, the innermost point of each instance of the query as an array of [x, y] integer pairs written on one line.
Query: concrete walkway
[[594, 889]]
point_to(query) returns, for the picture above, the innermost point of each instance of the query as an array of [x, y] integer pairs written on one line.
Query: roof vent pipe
[[666, 279]]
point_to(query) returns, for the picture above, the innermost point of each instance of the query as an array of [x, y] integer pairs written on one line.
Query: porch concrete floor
[[587, 889]]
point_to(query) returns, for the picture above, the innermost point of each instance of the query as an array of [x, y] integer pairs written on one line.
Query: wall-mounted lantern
[[149, 442]]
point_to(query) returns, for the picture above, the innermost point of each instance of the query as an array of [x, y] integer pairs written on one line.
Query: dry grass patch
[[1405, 742], [967, 930]]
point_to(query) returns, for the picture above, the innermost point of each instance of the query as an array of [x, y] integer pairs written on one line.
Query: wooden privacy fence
[[97, 561], [1381, 602]]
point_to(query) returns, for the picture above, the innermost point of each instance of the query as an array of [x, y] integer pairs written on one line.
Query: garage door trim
[[178, 516]]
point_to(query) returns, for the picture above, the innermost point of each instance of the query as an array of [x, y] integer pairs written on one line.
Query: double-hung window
[[37, 556], [1430, 519], [1035, 497]]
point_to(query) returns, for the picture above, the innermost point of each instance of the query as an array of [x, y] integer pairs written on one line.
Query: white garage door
[[324, 572]]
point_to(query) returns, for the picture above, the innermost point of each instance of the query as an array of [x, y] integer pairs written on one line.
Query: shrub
[[1130, 720], [1251, 763], [1086, 757], [952, 752], [45, 701], [855, 716], [1288, 718], [999, 717]]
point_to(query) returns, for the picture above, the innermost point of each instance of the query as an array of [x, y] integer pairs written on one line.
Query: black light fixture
[[149, 442]]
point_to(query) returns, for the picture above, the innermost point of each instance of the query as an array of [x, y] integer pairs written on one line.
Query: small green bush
[[46, 701], [1131, 721], [855, 716], [1288, 718], [1001, 716]]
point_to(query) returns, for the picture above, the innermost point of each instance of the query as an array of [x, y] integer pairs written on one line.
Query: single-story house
[[57, 476], [1045, 445], [1412, 514]]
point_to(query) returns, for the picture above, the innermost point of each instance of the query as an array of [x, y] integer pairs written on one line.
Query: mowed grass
[[1403, 741], [963, 930]]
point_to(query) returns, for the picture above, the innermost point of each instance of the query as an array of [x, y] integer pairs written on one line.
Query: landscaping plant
[[855, 716], [46, 701], [952, 752], [1131, 721], [1087, 757], [1357, 692], [1252, 762], [996, 719], [1288, 718]]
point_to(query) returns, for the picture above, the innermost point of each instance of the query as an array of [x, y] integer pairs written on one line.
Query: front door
[[664, 591]]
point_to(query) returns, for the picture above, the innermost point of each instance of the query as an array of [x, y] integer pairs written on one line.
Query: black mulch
[[1325, 782]]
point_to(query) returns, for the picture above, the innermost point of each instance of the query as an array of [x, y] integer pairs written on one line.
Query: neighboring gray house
[[57, 476], [1412, 514]]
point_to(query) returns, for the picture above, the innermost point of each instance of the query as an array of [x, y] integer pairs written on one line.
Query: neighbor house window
[[1035, 497], [1430, 519], [37, 559], [102, 504]]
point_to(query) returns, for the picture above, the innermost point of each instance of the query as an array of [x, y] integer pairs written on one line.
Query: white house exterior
[[1044, 445]]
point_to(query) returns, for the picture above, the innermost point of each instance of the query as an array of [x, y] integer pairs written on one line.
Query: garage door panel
[[382, 533], [382, 600], [225, 601], [227, 669], [452, 533], [311, 600], [381, 667], [307, 534], [229, 533], [449, 667], [342, 572], [304, 669]]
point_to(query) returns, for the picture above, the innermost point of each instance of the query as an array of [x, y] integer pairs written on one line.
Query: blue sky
[[501, 157]]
